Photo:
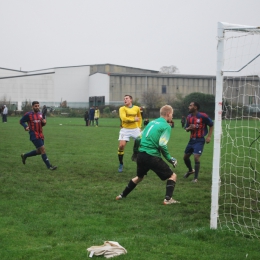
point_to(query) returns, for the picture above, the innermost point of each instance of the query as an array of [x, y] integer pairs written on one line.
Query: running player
[[33, 122]]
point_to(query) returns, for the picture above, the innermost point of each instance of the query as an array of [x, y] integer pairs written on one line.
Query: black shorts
[[146, 162]]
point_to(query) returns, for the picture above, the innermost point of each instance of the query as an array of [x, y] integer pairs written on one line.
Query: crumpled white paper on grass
[[109, 249]]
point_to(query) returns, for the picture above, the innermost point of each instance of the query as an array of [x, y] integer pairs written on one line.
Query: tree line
[[152, 100]]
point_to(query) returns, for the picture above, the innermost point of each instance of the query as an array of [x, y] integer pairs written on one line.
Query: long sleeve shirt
[[155, 137], [34, 121], [127, 116]]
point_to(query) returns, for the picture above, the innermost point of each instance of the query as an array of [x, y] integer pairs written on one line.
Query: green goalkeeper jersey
[[155, 138]]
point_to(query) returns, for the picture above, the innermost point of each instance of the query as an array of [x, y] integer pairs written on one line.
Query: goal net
[[235, 202]]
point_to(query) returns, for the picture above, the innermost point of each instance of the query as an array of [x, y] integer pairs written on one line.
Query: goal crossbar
[[237, 27]]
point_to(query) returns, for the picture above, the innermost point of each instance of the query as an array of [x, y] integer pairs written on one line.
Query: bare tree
[[169, 69], [169, 100], [63, 104], [152, 99]]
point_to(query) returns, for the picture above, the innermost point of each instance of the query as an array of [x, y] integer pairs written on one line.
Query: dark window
[[163, 89], [252, 100]]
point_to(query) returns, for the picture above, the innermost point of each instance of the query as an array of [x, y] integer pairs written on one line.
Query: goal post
[[217, 129], [235, 194]]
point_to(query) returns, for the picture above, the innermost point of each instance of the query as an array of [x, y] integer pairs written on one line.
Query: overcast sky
[[148, 34]]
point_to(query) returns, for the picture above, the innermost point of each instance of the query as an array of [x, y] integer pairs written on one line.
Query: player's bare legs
[[137, 179], [41, 150]]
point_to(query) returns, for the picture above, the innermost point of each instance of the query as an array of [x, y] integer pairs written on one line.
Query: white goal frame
[[218, 115]]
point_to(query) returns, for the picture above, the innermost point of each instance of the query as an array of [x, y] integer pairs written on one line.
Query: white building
[[106, 84], [79, 86]]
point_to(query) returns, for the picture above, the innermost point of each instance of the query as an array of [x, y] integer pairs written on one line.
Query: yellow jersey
[[127, 116]]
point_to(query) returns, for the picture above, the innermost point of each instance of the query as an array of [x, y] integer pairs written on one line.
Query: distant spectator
[[146, 122], [1, 111], [91, 116], [5, 113], [183, 121], [97, 115], [171, 123], [44, 112], [86, 117]]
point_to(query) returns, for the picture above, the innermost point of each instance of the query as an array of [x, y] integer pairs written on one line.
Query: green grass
[[57, 215]]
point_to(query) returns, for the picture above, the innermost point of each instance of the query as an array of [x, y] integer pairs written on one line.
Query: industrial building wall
[[99, 86], [71, 84], [75, 85], [165, 85], [243, 91], [18, 90]]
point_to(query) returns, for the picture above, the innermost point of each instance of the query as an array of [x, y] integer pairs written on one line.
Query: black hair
[[196, 104], [35, 102]]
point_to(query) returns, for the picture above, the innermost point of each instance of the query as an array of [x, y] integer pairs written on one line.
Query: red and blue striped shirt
[[34, 121], [201, 121]]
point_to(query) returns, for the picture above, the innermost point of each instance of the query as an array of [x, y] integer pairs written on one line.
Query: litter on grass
[[108, 249]]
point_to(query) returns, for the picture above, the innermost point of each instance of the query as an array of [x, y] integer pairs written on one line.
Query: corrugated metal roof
[[65, 67]]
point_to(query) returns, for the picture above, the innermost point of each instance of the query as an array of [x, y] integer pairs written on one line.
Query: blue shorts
[[195, 146], [38, 143]]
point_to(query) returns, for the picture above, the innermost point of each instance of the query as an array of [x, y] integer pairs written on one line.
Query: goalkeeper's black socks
[[188, 164], [131, 185], [170, 185], [197, 169]]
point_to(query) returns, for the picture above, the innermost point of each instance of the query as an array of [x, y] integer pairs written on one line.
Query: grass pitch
[[58, 214]]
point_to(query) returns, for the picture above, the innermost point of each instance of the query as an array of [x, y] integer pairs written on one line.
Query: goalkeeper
[[153, 143]]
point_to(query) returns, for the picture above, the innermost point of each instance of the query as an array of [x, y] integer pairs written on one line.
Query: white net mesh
[[239, 194]]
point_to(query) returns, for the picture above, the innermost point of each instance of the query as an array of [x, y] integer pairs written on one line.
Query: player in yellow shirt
[[131, 122]]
